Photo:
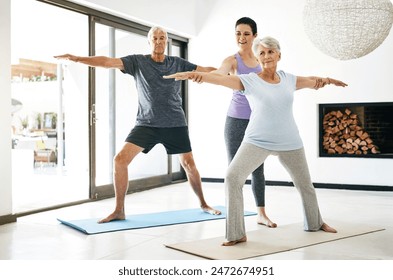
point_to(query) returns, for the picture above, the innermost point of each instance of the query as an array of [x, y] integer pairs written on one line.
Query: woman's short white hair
[[267, 42], [153, 29]]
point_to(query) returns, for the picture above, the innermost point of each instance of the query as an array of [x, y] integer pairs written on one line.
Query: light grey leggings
[[249, 157], [234, 134]]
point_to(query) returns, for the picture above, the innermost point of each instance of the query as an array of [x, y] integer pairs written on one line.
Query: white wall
[[5, 109], [175, 15]]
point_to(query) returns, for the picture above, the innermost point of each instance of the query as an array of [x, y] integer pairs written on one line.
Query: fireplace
[[356, 130]]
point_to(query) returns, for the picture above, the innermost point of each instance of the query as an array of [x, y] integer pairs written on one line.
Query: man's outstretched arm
[[94, 61]]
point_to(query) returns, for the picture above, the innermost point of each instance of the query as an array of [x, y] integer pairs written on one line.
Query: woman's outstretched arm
[[317, 82], [230, 81]]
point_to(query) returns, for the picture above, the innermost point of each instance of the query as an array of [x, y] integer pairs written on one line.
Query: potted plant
[[38, 119], [54, 120], [25, 123]]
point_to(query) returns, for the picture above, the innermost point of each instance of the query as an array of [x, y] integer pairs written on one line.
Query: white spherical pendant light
[[347, 29]]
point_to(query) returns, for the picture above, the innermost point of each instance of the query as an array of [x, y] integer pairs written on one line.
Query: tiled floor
[[42, 237]]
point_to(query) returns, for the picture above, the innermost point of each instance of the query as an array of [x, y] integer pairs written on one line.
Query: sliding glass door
[[50, 158], [114, 106], [68, 119]]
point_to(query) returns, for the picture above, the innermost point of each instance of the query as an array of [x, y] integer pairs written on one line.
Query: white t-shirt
[[272, 125]]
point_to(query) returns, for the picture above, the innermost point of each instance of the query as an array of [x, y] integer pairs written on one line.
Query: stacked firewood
[[343, 134]]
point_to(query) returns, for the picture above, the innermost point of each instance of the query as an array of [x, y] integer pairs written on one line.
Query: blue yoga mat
[[90, 226]]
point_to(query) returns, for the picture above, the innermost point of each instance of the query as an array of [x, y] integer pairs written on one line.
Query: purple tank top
[[239, 107]]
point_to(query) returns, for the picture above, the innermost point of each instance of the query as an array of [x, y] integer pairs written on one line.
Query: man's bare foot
[[210, 210], [327, 228], [265, 221], [112, 217], [231, 243]]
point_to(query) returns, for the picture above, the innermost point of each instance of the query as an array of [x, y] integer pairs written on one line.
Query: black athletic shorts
[[175, 139]]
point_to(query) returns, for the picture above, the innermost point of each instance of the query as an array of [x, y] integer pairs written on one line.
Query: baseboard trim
[[6, 219], [316, 185]]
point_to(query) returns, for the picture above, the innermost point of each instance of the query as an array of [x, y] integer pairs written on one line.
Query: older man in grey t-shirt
[[160, 118]]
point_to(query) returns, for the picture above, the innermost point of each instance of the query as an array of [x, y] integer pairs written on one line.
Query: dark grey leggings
[[233, 134]]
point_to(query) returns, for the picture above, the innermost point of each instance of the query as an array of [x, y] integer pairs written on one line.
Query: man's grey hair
[[267, 42], [153, 29]]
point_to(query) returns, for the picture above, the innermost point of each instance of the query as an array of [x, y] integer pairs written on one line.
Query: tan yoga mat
[[265, 241]]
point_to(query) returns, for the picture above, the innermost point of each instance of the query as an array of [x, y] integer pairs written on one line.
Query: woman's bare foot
[[263, 219], [208, 209], [231, 243], [327, 228], [266, 222], [112, 217]]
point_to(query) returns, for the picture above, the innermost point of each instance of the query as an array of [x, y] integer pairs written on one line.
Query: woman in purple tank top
[[239, 111]]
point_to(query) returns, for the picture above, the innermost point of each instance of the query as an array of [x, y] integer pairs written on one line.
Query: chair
[[44, 155]]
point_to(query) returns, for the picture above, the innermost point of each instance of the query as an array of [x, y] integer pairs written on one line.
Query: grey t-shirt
[[159, 100]]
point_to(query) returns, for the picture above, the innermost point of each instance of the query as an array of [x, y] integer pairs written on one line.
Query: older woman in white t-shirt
[[272, 130]]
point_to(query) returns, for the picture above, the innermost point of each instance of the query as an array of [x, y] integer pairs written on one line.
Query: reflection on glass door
[[50, 160]]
